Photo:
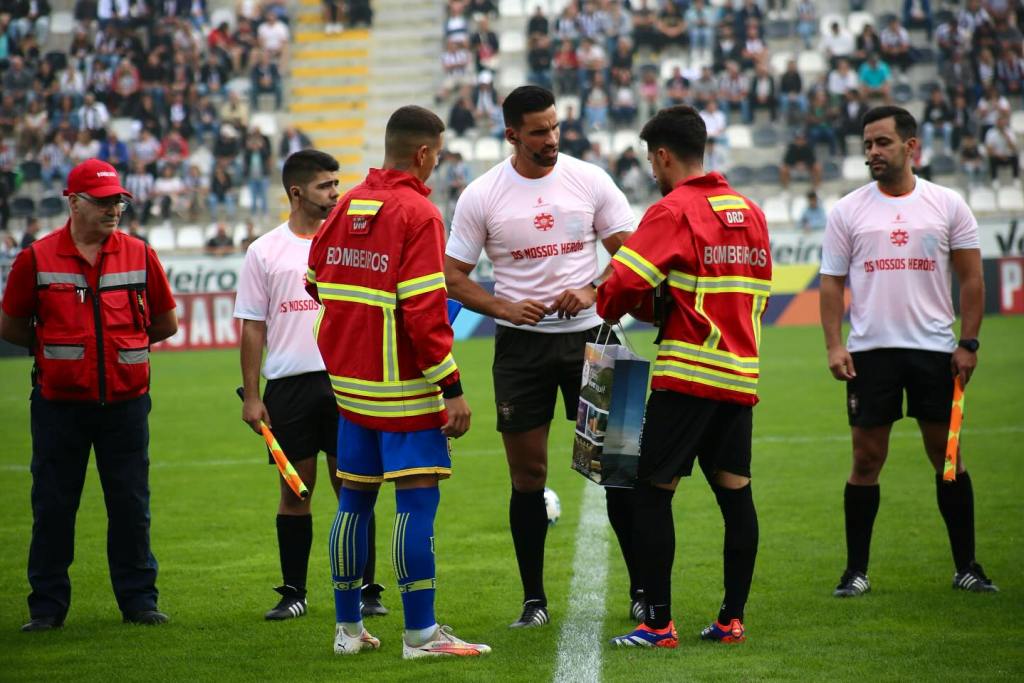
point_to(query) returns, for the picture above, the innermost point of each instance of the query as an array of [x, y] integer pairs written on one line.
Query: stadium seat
[[463, 147], [829, 201], [625, 139], [223, 15], [796, 208], [924, 55], [239, 84], [1010, 198], [740, 175], [511, 76], [57, 59], [201, 157], [854, 169], [61, 23], [511, 9], [767, 174], [490, 149], [826, 21], [512, 41], [50, 206], [265, 122], [856, 22], [563, 103], [123, 127], [667, 65], [776, 210], [31, 171], [902, 92], [23, 207], [943, 164], [244, 197], [831, 170], [811, 63], [1017, 122], [190, 237], [778, 60], [925, 88], [602, 139], [766, 136], [778, 29], [982, 200], [739, 136], [161, 237]]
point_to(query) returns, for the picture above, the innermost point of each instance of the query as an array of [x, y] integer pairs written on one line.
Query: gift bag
[[610, 414]]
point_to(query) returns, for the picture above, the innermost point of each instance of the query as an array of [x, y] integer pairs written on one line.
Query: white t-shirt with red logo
[[896, 254], [541, 234], [272, 288]]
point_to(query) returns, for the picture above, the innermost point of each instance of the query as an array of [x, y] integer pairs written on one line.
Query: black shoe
[[973, 579], [371, 604], [852, 584], [534, 614], [43, 624], [291, 605], [147, 617], [637, 606]]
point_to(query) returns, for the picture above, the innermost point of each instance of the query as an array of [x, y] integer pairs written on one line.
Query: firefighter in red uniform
[[89, 300], [703, 249], [384, 335]]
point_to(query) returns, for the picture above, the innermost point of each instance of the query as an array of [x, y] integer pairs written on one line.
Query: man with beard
[[895, 243], [539, 215], [298, 403], [705, 247]]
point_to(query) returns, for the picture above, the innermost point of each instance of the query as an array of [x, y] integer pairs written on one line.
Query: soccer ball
[[553, 506]]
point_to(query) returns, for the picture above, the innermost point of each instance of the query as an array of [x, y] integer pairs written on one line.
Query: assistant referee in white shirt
[[538, 215]]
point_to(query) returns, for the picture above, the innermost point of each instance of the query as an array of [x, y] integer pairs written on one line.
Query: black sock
[[739, 550], [861, 505], [528, 519], [371, 551], [294, 539], [620, 504], [956, 503], [654, 543]]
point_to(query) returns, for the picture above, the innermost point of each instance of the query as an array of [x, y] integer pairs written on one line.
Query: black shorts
[[679, 428], [530, 367], [875, 396], [303, 415]]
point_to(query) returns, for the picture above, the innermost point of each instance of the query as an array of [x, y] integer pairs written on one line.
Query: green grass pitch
[[214, 502]]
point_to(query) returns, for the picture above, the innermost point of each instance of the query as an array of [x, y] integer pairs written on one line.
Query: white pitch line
[[579, 643]]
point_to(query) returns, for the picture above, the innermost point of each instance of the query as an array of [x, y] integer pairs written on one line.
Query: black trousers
[[63, 432]]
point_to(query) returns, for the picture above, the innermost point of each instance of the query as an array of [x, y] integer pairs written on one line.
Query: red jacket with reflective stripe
[[377, 267], [709, 246], [91, 340]]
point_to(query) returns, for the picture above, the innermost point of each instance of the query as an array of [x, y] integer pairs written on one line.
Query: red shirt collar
[[390, 178], [66, 245]]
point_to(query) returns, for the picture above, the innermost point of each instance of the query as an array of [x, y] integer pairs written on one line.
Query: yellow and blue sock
[[348, 548], [412, 552]]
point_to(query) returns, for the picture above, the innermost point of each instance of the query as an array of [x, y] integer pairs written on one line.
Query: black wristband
[[453, 390]]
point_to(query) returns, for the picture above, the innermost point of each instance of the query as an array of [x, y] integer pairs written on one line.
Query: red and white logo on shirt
[[899, 238], [543, 221]]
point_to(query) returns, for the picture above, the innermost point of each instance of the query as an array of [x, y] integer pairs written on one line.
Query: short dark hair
[[680, 129], [906, 125], [408, 128], [302, 166], [526, 99]]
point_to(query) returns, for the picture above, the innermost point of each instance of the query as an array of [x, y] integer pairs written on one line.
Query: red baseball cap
[[95, 178]]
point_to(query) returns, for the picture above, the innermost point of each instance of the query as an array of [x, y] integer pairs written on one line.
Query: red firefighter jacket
[[91, 340], [376, 265], [709, 245]]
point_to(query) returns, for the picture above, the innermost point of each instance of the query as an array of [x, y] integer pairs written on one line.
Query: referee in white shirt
[[298, 403], [538, 215], [896, 243]]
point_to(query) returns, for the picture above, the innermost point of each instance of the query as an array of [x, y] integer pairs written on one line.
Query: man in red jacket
[[384, 334], [88, 300], [706, 248]]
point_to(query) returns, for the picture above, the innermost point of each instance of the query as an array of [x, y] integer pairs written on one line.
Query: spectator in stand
[[867, 44], [85, 147], [9, 248], [125, 86], [822, 122], [592, 22], [174, 148], [813, 218], [727, 48], [457, 25], [256, 169], [10, 115], [292, 141], [482, 7], [197, 191], [670, 28], [989, 108], [539, 59], [220, 43], [963, 119], [1001, 148], [168, 192], [918, 14], [134, 228], [455, 67], [630, 176], [985, 65], [273, 37], [649, 91], [1010, 72], [596, 102], [265, 78], [618, 23], [115, 152], [31, 233], [837, 44], [485, 100], [851, 112], [149, 116], [841, 80], [220, 243], [715, 157], [359, 12], [235, 112], [146, 148], [213, 76], [624, 105], [93, 116], [705, 88], [644, 18], [972, 17], [754, 49], [462, 118], [251, 234], [567, 26], [677, 88], [18, 79], [592, 59], [35, 20], [734, 92], [701, 19], [750, 13], [538, 23], [140, 183], [972, 159], [245, 41], [456, 177], [806, 22], [937, 114], [622, 57], [762, 91], [714, 121], [222, 191], [895, 45], [55, 160], [958, 75], [791, 96], [33, 129], [484, 45], [572, 138], [950, 38], [567, 65], [332, 15], [800, 156], [205, 120], [876, 78], [179, 115]]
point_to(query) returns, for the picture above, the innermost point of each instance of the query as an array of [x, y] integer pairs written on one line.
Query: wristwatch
[[971, 345]]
